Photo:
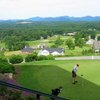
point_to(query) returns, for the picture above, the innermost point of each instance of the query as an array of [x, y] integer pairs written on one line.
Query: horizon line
[[50, 17]]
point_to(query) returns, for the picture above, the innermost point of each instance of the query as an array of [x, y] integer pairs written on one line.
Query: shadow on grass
[[46, 77]]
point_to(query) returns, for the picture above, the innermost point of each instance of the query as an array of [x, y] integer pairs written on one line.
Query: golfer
[[74, 73]]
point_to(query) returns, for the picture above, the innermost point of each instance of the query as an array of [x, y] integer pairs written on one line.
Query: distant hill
[[59, 18], [65, 18]]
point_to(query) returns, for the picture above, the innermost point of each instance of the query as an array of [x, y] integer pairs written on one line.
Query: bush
[[87, 52], [31, 57], [3, 60], [42, 57], [6, 68], [15, 59], [50, 57], [14, 95]]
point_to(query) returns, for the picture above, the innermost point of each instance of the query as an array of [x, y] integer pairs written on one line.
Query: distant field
[[12, 53], [45, 75], [49, 42]]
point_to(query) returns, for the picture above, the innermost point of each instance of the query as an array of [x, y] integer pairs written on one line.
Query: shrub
[[84, 52], [14, 95], [87, 52], [50, 57], [6, 68], [3, 90], [3, 60], [15, 59], [42, 57], [31, 57]]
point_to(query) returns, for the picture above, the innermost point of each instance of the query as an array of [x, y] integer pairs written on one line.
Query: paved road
[[79, 58]]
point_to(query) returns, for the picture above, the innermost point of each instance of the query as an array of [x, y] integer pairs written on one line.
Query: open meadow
[[46, 75]]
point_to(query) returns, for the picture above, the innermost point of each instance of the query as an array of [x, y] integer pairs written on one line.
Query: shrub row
[[29, 58]]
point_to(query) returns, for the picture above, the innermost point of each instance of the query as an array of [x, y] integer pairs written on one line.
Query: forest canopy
[[20, 33]]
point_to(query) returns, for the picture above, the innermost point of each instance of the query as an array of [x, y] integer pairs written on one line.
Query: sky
[[23, 9]]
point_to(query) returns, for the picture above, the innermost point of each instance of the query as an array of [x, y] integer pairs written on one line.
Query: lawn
[[7, 54], [46, 75]]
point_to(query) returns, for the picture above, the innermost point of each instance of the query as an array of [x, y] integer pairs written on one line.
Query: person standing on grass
[[74, 73]]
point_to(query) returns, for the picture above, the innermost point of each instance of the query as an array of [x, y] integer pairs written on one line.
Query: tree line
[[21, 33]]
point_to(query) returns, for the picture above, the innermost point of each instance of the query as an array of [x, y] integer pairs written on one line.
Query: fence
[[37, 93]]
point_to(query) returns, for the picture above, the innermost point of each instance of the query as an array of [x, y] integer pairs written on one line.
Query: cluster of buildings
[[44, 51], [95, 44]]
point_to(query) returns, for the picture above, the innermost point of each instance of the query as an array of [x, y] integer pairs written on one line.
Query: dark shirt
[[55, 91]]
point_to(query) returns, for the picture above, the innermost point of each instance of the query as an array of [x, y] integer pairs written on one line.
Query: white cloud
[[28, 8]]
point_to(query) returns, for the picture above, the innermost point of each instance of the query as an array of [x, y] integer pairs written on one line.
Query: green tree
[[93, 35], [77, 37], [80, 42], [58, 41], [98, 38], [17, 44], [70, 44]]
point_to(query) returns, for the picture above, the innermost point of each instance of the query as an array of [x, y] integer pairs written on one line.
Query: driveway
[[78, 58]]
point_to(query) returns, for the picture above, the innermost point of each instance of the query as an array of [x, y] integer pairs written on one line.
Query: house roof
[[96, 45], [59, 50], [27, 49]]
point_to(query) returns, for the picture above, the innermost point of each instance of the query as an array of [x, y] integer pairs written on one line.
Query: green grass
[[46, 75], [77, 51], [2, 45]]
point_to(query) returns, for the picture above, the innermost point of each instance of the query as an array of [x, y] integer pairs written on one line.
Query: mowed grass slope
[[46, 75]]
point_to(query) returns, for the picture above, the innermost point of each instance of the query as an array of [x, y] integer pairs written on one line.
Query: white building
[[51, 51]]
